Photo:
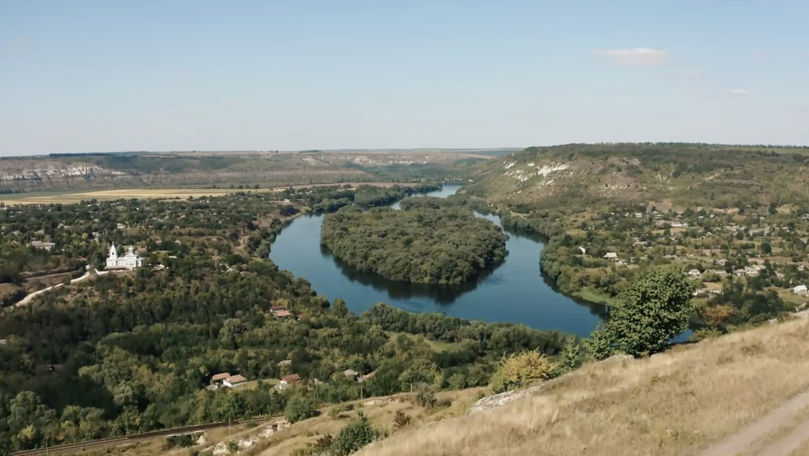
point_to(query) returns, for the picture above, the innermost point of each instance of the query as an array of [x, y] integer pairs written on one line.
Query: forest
[[135, 351], [429, 241]]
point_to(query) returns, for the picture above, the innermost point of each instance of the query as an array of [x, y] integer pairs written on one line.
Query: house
[[350, 373], [284, 363], [130, 261], [288, 380], [275, 309], [219, 378], [282, 314], [234, 381], [42, 245], [120, 226], [694, 273], [368, 376], [611, 256], [800, 290]]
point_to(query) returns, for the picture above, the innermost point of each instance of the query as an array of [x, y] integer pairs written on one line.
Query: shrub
[[521, 369], [354, 436], [299, 408], [401, 420]]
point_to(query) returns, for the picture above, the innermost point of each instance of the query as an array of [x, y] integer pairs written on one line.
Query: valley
[[237, 280]]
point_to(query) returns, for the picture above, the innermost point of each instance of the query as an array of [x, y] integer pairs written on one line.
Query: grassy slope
[[679, 174], [673, 403]]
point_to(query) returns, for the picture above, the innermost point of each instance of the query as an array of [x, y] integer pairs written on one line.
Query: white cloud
[[634, 57], [740, 92]]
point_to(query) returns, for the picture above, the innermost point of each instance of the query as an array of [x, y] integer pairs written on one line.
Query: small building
[[582, 250], [350, 373], [219, 378], [694, 273], [234, 381], [800, 290], [42, 245], [288, 381], [367, 376], [282, 314], [612, 256], [284, 363]]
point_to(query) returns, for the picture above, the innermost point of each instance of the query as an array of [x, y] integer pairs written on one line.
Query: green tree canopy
[[654, 308]]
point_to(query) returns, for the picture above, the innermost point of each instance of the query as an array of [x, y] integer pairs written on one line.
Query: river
[[514, 291]]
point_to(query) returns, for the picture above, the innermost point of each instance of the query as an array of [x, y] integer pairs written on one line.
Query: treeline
[[426, 242]]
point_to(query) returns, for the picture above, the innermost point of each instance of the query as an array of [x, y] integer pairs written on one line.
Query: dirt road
[[780, 432]]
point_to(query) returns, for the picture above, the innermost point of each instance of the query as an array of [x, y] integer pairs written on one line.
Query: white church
[[129, 261]]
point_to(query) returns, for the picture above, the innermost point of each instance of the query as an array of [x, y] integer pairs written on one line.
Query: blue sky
[[80, 76]]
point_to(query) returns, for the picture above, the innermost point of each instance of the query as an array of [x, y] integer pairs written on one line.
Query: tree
[[299, 408], [654, 308], [354, 436]]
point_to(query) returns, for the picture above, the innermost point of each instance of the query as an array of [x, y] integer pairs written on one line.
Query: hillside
[[743, 393], [736, 218], [205, 169], [680, 402], [664, 175]]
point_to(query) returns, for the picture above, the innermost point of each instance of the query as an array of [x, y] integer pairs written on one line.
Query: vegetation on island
[[442, 244]]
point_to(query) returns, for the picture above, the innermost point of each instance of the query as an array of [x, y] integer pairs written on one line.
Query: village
[[763, 249]]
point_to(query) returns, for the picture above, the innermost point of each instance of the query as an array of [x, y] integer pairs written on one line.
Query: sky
[[114, 75]]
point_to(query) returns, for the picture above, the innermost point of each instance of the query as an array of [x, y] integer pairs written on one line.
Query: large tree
[[654, 308]]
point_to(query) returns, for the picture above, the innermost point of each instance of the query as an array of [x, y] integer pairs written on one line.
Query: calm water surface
[[514, 291]]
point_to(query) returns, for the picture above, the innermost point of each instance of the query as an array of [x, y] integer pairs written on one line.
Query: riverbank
[[514, 291]]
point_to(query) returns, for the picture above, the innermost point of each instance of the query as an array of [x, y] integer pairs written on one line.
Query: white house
[[800, 289], [129, 261], [694, 273], [42, 245], [611, 256], [234, 381]]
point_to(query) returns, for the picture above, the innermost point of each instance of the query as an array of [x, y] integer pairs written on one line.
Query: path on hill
[[27, 299], [744, 441]]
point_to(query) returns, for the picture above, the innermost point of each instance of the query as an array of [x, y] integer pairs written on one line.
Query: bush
[[401, 420], [522, 369], [354, 436], [299, 408]]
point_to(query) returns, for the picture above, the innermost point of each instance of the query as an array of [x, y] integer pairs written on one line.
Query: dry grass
[[675, 403]]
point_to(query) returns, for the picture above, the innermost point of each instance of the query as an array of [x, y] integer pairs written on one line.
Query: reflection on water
[[513, 291]]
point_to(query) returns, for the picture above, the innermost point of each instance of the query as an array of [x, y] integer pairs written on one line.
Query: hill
[[735, 217], [205, 169], [687, 400], [743, 393]]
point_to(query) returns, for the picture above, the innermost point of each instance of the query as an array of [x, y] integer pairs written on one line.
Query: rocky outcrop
[[54, 173]]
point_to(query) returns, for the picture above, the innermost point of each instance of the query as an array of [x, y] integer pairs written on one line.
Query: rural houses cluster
[[714, 246]]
